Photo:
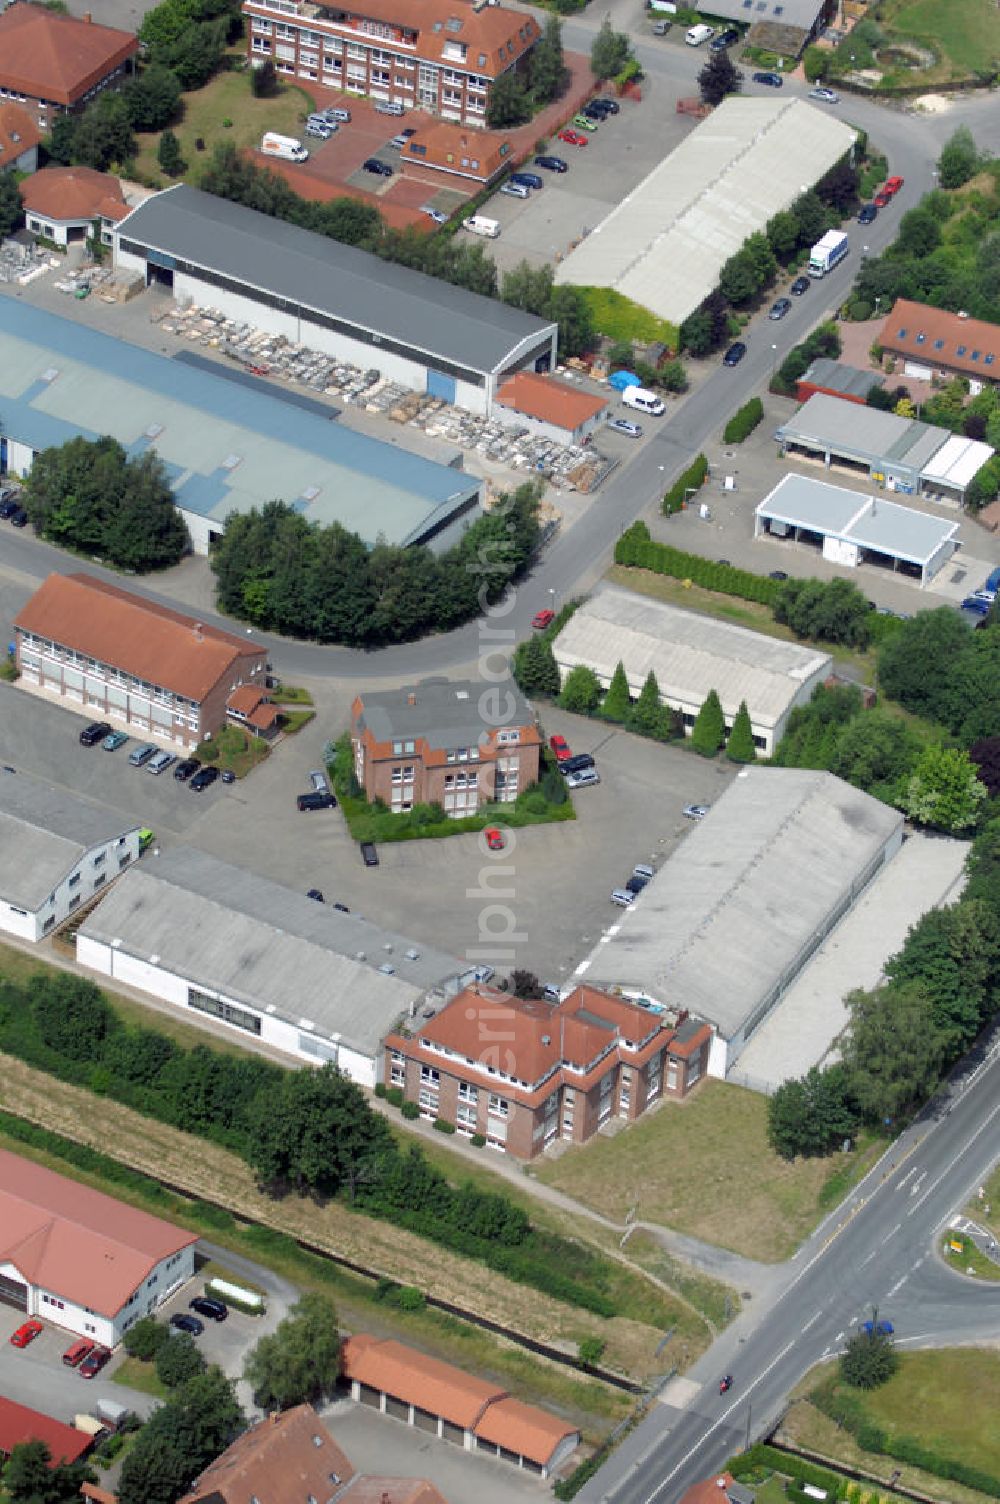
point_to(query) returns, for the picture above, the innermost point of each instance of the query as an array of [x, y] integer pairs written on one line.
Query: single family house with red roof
[[64, 203]]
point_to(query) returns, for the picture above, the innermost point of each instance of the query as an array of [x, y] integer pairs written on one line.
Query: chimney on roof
[[411, 698], [962, 313], [88, 17], [199, 635], [385, 1499]]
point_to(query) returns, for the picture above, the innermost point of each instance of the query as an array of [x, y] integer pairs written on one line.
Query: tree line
[[310, 1129], [285, 574]]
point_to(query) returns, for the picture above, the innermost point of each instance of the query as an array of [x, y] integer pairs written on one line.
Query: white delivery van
[[699, 34], [288, 148], [480, 225], [643, 401]]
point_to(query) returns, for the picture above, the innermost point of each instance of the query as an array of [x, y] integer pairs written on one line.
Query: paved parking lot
[[37, 1376]]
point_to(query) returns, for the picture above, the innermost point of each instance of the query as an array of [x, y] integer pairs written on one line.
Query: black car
[[553, 164], [228, 776], [316, 894], [342, 907], [576, 764], [368, 854], [799, 286], [314, 800], [600, 108], [636, 884], [215, 1310], [182, 1322], [773, 80], [866, 214], [94, 733], [380, 169], [9, 506], [735, 353], [203, 779], [19, 518], [184, 769], [724, 39]]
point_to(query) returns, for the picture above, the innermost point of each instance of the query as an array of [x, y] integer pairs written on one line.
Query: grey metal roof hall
[[444, 711], [339, 282], [44, 833], [734, 914], [257, 942], [867, 433], [873, 523], [836, 376]]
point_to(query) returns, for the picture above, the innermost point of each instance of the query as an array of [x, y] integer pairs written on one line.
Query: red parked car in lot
[[893, 185], [560, 747], [573, 138], [494, 838], [94, 1362], [26, 1332], [543, 619]]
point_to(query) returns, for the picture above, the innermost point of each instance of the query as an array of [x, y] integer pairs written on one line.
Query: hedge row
[[743, 422], [848, 1411], [761, 1456], [690, 479], [636, 549]]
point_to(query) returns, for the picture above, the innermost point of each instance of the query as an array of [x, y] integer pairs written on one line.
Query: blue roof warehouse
[[227, 447]]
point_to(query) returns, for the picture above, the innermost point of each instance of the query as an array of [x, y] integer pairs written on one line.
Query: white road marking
[[893, 1233], [812, 1321], [868, 1259], [952, 1163], [899, 1284], [839, 1337]]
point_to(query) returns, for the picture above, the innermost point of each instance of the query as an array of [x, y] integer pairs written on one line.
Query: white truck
[[827, 252], [286, 147]]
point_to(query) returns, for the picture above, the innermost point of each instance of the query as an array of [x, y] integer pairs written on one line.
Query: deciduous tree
[[812, 1115], [581, 693], [610, 51], [300, 1361], [868, 1360], [892, 1052], [943, 790], [11, 207], [535, 667], [316, 1132], [959, 159], [168, 154], [508, 103], [548, 67], [178, 1360]]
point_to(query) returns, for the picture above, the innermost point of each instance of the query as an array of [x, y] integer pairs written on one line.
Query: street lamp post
[[774, 361]]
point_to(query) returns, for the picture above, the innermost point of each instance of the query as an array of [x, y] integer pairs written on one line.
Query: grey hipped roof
[[259, 943], [44, 833], [745, 895], [445, 712], [845, 380], [336, 280]]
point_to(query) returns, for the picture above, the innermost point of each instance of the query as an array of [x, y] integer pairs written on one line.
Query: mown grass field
[[704, 1167], [965, 32]]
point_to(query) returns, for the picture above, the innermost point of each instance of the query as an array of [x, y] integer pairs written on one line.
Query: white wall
[[510, 418], [52, 1305], [20, 457], [80, 883], [19, 922], [840, 551], [280, 1033]]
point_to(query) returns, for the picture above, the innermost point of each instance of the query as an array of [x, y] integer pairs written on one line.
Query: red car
[[560, 747], [893, 185], [882, 198], [494, 839], [94, 1362], [574, 138], [543, 618], [26, 1332]]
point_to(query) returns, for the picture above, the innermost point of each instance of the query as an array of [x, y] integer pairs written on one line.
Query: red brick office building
[[53, 64], [526, 1073], [446, 742]]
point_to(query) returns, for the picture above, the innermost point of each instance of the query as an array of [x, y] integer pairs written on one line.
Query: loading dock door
[[13, 1293], [439, 385]]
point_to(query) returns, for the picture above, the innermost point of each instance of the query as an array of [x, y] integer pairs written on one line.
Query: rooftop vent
[[546, 1039], [231, 461], [461, 694], [154, 430], [50, 374], [412, 955], [387, 970], [387, 948], [962, 313], [360, 956], [154, 960]]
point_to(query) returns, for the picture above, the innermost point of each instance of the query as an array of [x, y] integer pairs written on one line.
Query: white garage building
[[665, 244], [333, 298], [690, 655], [735, 915], [56, 852], [224, 944], [80, 1259], [855, 527]]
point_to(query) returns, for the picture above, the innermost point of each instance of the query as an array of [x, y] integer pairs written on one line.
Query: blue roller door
[[440, 386]]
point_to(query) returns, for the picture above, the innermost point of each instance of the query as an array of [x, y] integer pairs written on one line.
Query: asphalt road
[[877, 1249]]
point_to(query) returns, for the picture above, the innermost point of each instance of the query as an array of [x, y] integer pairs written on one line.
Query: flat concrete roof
[[859, 517], [690, 654], [353, 287], [731, 912], [260, 943], [664, 245], [44, 833], [225, 448]]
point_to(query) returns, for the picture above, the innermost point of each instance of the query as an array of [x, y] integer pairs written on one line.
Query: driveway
[[37, 1376]]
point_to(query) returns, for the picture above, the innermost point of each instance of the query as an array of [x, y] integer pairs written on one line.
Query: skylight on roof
[[961, 349], [902, 334], [231, 461], [976, 354], [921, 338], [310, 493], [50, 374], [939, 344], [453, 23], [988, 361], [154, 430]]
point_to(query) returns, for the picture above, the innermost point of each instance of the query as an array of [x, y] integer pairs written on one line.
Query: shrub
[[443, 1126], [743, 422], [394, 1095], [144, 1340], [409, 1298], [380, 1089], [478, 1140], [410, 1110], [591, 1350]]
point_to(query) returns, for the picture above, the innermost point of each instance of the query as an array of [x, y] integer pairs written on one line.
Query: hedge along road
[[578, 557]]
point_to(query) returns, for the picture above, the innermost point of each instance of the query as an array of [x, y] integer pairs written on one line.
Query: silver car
[[582, 779], [318, 781]]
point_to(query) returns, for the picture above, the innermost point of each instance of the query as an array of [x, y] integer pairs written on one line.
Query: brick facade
[[429, 56], [524, 1074]]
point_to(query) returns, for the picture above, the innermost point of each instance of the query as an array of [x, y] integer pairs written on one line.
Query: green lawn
[[970, 1261], [135, 1374], [966, 32], [227, 96], [704, 1167]]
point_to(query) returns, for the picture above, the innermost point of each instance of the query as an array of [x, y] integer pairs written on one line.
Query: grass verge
[[689, 1165], [969, 1260], [743, 613], [965, 32], [135, 1374], [294, 720], [235, 749], [290, 694]]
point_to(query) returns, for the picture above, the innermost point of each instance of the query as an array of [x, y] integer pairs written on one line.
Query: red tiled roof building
[[525, 1073], [52, 64]]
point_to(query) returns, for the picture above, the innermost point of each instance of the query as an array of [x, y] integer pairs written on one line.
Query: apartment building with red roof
[[550, 407], [456, 1406], [62, 203], [138, 664], [19, 138], [441, 56], [933, 342], [524, 1073], [289, 1458], [80, 1259], [52, 64]]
